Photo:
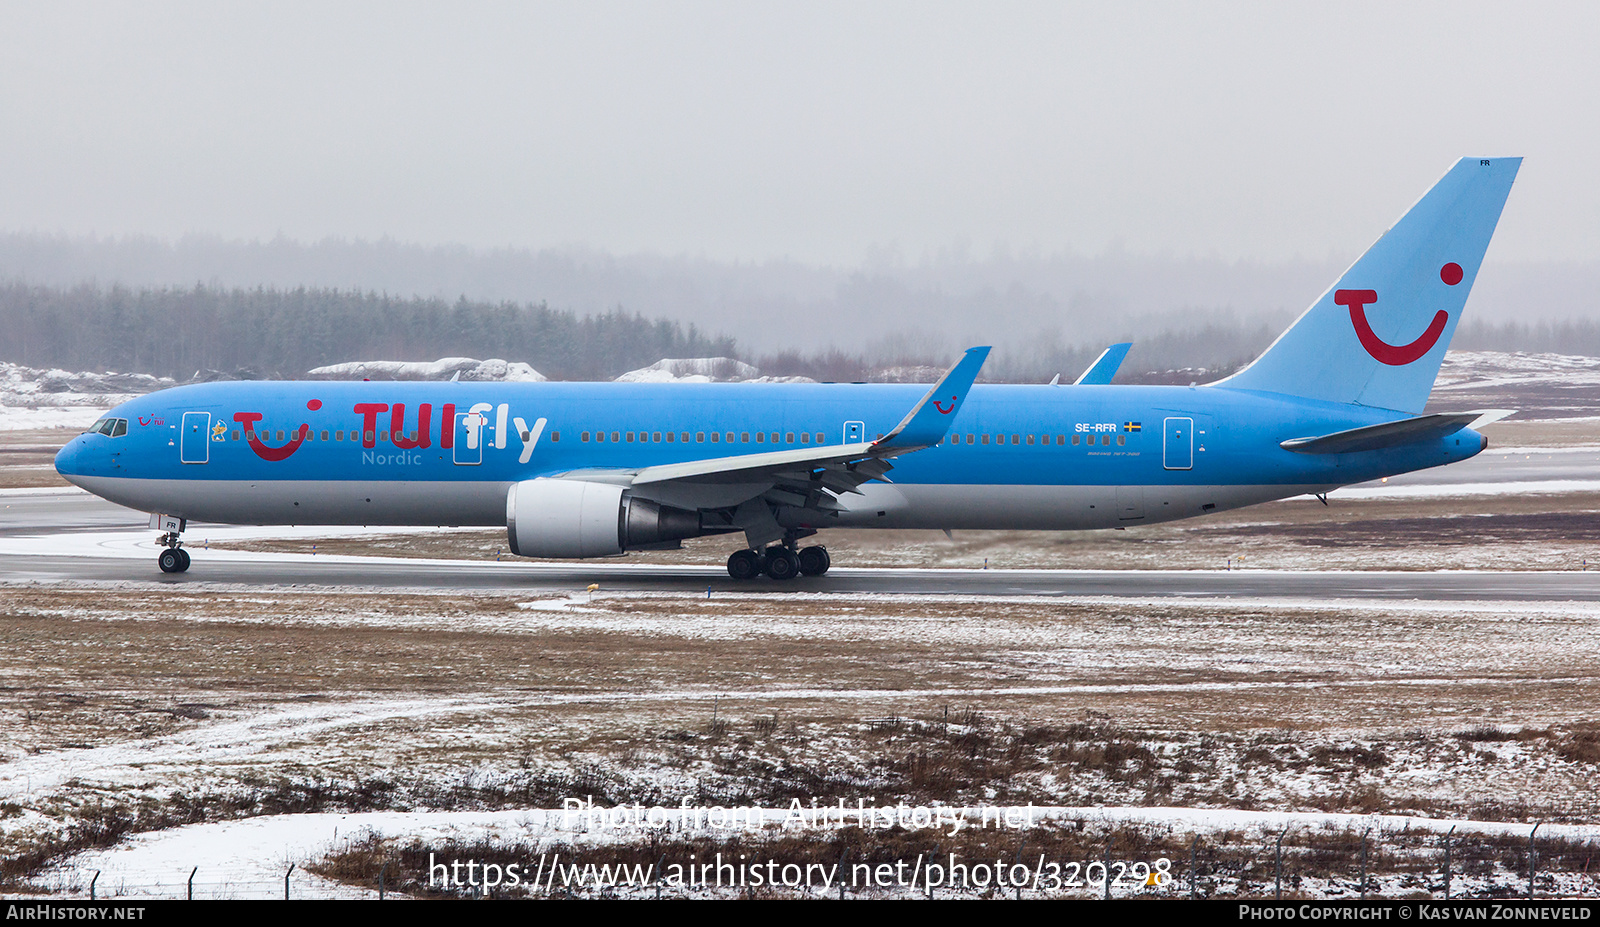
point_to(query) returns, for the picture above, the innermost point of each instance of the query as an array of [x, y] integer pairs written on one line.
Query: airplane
[[579, 470]]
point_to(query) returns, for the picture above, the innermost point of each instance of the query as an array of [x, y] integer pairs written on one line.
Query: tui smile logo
[[263, 450], [940, 406], [1395, 355]]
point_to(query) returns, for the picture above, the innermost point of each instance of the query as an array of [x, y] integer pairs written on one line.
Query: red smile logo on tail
[[1395, 355]]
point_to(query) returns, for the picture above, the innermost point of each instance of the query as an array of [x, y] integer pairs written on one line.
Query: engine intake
[[574, 518]]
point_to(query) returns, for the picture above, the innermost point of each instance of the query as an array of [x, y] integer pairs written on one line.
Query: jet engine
[[575, 518]]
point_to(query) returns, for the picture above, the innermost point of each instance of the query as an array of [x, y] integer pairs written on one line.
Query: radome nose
[[70, 459]]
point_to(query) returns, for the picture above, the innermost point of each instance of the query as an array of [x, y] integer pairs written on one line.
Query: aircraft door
[[853, 432], [196, 442], [1177, 444], [471, 428]]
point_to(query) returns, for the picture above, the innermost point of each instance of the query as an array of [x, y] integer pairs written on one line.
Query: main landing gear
[[779, 562], [174, 559]]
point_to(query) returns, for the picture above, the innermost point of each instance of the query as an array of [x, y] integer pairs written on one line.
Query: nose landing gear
[[174, 559]]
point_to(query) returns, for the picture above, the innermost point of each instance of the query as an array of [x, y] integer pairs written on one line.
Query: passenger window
[[324, 434], [761, 437], [583, 437], [700, 437], [1075, 440], [233, 435], [730, 437], [655, 436], [1062, 439], [985, 439], [369, 437], [1105, 440], [819, 438], [684, 437], [1121, 440], [616, 436], [805, 437], [744, 437], [670, 437], [628, 436], [280, 434], [1030, 439], [1014, 439], [788, 437], [716, 436], [1044, 439]]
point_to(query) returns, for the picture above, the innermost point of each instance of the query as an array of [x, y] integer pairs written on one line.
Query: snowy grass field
[[151, 731]]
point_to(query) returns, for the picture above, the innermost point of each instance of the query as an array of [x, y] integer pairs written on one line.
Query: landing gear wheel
[[744, 564], [814, 561], [170, 561], [183, 560], [781, 563]]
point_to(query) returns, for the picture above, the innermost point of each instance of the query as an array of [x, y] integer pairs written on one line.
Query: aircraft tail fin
[[1378, 335]]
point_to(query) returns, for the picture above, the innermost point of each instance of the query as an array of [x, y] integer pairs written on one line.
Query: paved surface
[[70, 512]]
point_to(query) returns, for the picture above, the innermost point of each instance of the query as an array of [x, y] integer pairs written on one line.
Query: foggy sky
[[848, 134]]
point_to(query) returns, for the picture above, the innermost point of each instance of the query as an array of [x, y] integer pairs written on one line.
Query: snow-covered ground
[[251, 857], [702, 370], [1474, 369], [469, 369], [33, 398]]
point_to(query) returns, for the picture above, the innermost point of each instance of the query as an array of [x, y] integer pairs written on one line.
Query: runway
[[525, 577], [62, 520]]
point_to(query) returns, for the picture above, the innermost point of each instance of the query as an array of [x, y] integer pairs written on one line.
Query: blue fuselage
[[1049, 457]]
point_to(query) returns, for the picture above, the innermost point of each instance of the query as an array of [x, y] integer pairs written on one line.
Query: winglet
[[1105, 366], [929, 420]]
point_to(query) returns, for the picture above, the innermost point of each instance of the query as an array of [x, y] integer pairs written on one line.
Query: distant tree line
[[268, 332], [265, 332], [1561, 336]]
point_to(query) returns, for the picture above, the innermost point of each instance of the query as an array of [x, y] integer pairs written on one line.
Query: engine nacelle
[[575, 518]]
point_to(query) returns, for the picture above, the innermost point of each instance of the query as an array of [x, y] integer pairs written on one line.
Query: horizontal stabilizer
[[1393, 434], [1105, 366]]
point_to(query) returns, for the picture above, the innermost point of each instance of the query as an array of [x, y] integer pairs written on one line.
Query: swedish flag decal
[[1130, 426]]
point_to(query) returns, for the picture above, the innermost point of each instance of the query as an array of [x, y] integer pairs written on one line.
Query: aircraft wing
[[1105, 366], [747, 489], [840, 464]]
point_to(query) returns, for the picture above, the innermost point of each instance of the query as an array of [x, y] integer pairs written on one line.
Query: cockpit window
[[110, 427]]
